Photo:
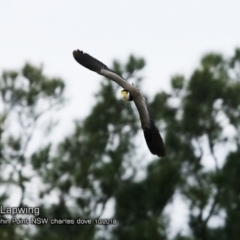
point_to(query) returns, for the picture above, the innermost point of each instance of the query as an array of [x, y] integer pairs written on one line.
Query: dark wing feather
[[88, 61], [154, 139]]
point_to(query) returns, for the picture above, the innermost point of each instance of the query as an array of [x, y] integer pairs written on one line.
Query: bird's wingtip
[[88, 61], [77, 53]]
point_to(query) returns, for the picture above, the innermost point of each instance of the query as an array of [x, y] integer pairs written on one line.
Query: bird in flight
[[129, 93]]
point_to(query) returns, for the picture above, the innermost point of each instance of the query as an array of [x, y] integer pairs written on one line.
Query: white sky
[[170, 35]]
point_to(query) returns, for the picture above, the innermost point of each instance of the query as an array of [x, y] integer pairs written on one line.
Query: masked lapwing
[[129, 93]]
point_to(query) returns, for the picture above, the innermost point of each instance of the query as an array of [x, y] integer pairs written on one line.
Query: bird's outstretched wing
[[154, 139], [88, 61], [151, 133], [95, 65]]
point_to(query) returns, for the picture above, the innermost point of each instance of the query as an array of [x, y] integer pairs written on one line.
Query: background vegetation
[[99, 162]]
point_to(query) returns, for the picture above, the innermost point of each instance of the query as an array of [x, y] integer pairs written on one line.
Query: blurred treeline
[[97, 165]]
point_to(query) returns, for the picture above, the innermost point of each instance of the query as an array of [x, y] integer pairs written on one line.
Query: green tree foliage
[[98, 163], [26, 96]]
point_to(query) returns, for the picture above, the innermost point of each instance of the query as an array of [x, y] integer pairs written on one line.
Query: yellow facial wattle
[[125, 95]]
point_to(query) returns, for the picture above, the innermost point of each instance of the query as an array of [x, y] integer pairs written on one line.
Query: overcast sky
[[170, 35]]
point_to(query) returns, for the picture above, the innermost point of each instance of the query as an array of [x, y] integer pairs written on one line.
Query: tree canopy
[[96, 167]]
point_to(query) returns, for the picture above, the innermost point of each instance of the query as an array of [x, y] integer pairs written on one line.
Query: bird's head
[[126, 96]]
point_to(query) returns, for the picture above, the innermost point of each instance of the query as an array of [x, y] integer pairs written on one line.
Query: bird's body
[[129, 93]]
